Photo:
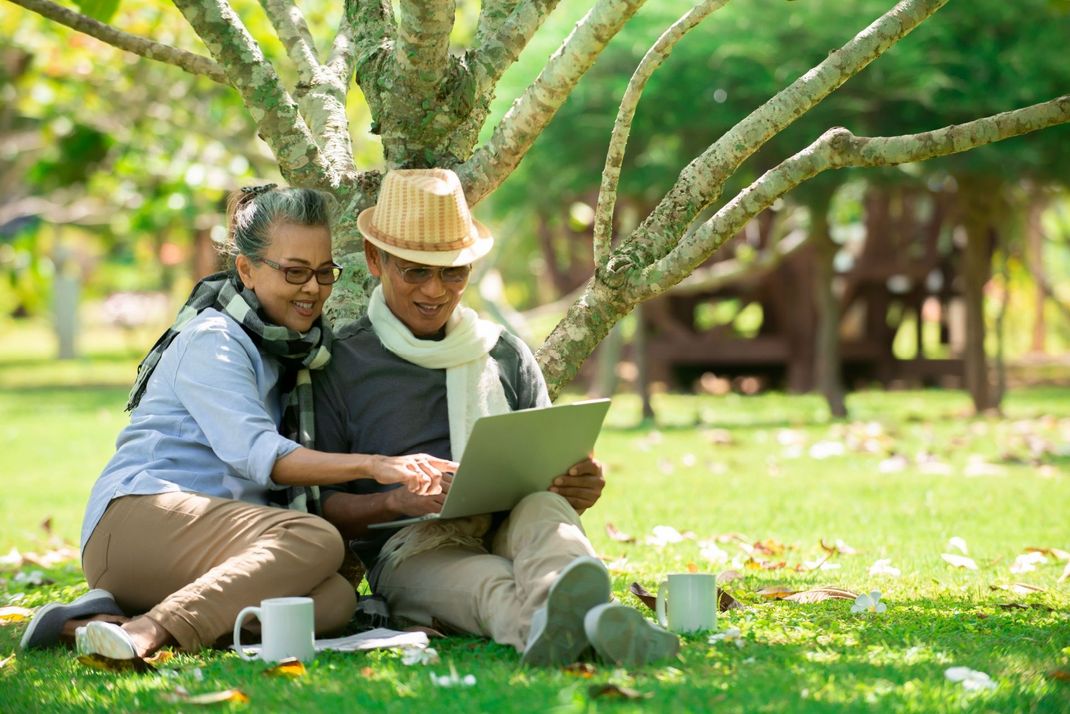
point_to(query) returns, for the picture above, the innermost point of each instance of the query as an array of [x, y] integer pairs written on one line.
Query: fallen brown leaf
[[815, 565], [728, 576], [615, 691], [1019, 588], [838, 547], [585, 670], [1056, 553], [7, 660], [769, 546], [731, 537], [619, 536], [12, 614], [959, 561], [1024, 606], [1066, 573], [46, 525], [776, 592], [726, 602], [367, 672], [1062, 675], [692, 568], [821, 594], [644, 595], [291, 668], [753, 564], [107, 664], [227, 696], [160, 658]]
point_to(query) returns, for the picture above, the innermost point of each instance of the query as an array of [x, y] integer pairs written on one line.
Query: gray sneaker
[[557, 637], [621, 635], [47, 623]]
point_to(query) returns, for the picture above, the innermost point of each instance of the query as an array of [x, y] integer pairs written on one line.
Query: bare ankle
[[147, 634]]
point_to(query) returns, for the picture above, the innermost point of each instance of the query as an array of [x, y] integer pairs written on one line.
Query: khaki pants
[[491, 593], [191, 562]]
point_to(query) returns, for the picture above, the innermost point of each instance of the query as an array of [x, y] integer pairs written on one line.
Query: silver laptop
[[509, 456]]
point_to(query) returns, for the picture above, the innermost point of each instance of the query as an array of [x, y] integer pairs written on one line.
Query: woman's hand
[[418, 473]]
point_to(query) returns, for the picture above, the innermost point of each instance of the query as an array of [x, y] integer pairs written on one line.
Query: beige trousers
[[191, 562], [491, 593]]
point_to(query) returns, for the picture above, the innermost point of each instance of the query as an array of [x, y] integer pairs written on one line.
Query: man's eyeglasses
[[421, 274], [296, 275]]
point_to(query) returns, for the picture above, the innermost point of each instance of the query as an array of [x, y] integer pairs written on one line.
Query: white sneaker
[[621, 635], [557, 637], [105, 639]]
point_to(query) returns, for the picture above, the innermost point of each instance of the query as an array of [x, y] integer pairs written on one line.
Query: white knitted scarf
[[473, 384]]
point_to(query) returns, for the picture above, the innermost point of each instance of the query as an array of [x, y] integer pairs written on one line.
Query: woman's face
[[291, 246]]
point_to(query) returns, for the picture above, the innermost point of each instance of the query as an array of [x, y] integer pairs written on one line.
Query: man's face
[[423, 307]]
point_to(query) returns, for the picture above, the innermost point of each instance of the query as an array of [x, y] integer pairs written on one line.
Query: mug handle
[[237, 630], [659, 609]]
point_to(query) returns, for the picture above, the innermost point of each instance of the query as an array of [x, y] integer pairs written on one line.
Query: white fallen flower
[[827, 449], [959, 561], [971, 679], [34, 577], [958, 544], [13, 559], [869, 603], [662, 536], [893, 464], [884, 567], [419, 655], [1028, 562], [730, 636], [712, 552], [452, 679]]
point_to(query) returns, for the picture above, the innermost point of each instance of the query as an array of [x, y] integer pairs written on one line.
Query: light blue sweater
[[207, 423]]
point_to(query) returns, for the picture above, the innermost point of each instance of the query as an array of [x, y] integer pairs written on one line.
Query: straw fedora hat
[[422, 216]]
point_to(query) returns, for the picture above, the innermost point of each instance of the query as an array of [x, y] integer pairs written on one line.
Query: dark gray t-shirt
[[370, 401]]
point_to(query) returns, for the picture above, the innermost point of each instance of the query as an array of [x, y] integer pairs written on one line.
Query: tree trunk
[[827, 366], [1034, 251], [978, 203]]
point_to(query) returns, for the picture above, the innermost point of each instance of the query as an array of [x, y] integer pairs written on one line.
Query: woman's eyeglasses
[[296, 275], [421, 274]]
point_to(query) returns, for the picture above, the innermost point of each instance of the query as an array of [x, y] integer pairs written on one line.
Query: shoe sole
[[108, 640], [47, 623], [622, 636], [582, 585]]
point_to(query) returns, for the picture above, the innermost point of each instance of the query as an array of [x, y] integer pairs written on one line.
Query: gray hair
[[251, 212]]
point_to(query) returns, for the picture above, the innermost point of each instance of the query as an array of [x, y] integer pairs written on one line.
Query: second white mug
[[687, 602]]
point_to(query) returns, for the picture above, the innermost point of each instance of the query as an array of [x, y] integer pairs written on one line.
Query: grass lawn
[[750, 484]]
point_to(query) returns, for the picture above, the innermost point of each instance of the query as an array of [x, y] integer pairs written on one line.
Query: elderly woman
[[180, 525]]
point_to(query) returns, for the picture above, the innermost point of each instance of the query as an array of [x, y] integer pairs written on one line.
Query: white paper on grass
[[377, 639]]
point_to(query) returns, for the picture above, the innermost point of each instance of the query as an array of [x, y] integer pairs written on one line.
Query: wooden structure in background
[[908, 257]]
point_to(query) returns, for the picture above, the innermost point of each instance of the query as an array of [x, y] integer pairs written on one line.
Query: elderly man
[[412, 377]]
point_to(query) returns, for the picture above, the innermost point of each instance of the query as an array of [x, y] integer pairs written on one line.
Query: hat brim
[[483, 242]]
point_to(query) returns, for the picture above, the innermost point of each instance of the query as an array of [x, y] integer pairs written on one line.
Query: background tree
[[428, 105]]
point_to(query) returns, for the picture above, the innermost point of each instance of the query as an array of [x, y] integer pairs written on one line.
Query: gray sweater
[[370, 401]]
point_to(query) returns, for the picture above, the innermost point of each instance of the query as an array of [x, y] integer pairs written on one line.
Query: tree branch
[[274, 110], [700, 183], [494, 161], [343, 58], [187, 61], [293, 32], [504, 31], [373, 28], [618, 142], [837, 149]]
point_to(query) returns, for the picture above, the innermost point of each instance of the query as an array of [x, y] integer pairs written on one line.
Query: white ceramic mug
[[287, 629], [687, 602]]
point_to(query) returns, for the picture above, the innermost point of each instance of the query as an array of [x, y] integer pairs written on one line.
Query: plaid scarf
[[296, 352]]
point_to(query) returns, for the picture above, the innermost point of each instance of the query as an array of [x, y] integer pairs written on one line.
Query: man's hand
[[582, 485], [420, 474], [409, 504]]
